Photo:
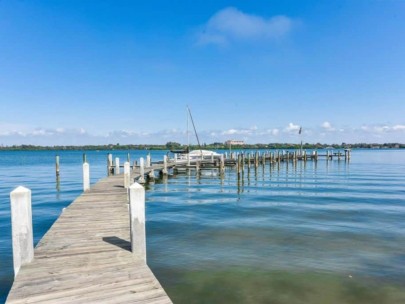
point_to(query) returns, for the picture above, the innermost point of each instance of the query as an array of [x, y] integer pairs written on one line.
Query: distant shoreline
[[213, 146]]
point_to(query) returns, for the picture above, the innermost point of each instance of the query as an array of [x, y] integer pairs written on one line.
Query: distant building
[[235, 142]]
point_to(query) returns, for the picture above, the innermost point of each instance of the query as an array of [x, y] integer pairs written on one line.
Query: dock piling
[[21, 223], [127, 175], [57, 165], [137, 220], [148, 161], [109, 163], [142, 171], [164, 171], [117, 166], [86, 176], [222, 165]]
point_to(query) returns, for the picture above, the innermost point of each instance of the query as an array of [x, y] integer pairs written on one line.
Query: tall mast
[[188, 136], [195, 131], [188, 140]]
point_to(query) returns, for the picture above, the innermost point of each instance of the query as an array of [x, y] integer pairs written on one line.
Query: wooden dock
[[86, 256]]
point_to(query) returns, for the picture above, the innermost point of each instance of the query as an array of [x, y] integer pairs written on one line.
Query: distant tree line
[[216, 145]]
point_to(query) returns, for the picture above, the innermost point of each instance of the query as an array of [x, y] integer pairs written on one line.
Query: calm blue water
[[329, 232]]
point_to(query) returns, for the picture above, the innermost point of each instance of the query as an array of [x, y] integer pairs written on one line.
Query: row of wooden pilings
[[235, 158], [241, 159], [113, 167]]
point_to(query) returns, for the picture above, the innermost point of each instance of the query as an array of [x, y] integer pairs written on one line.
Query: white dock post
[[86, 176], [109, 163], [127, 175], [117, 166], [21, 222], [148, 161], [164, 171], [141, 171], [137, 220]]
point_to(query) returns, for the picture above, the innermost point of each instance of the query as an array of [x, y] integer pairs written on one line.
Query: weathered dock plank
[[85, 257]]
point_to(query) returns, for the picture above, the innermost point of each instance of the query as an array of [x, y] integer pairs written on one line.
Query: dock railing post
[[148, 161], [137, 220], [127, 175], [109, 163], [117, 166], [164, 171], [21, 223], [86, 176], [141, 171]]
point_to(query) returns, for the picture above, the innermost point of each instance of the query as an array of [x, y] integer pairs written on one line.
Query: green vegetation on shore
[[217, 145]]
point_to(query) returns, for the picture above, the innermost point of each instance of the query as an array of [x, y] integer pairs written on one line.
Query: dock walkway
[[86, 256]]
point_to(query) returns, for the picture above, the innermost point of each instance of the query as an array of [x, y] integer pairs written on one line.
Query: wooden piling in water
[[57, 165], [256, 159], [222, 165], [238, 166], [164, 171]]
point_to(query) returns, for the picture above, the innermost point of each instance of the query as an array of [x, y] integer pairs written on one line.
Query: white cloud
[[398, 128], [327, 126], [382, 129], [320, 133], [292, 128], [251, 131], [231, 24]]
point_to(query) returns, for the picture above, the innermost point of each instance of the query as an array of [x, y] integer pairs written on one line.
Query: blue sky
[[99, 72]]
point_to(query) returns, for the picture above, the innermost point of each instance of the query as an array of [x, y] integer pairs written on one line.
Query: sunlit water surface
[[325, 232]]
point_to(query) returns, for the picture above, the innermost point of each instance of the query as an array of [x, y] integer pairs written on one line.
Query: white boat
[[194, 154], [198, 154]]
